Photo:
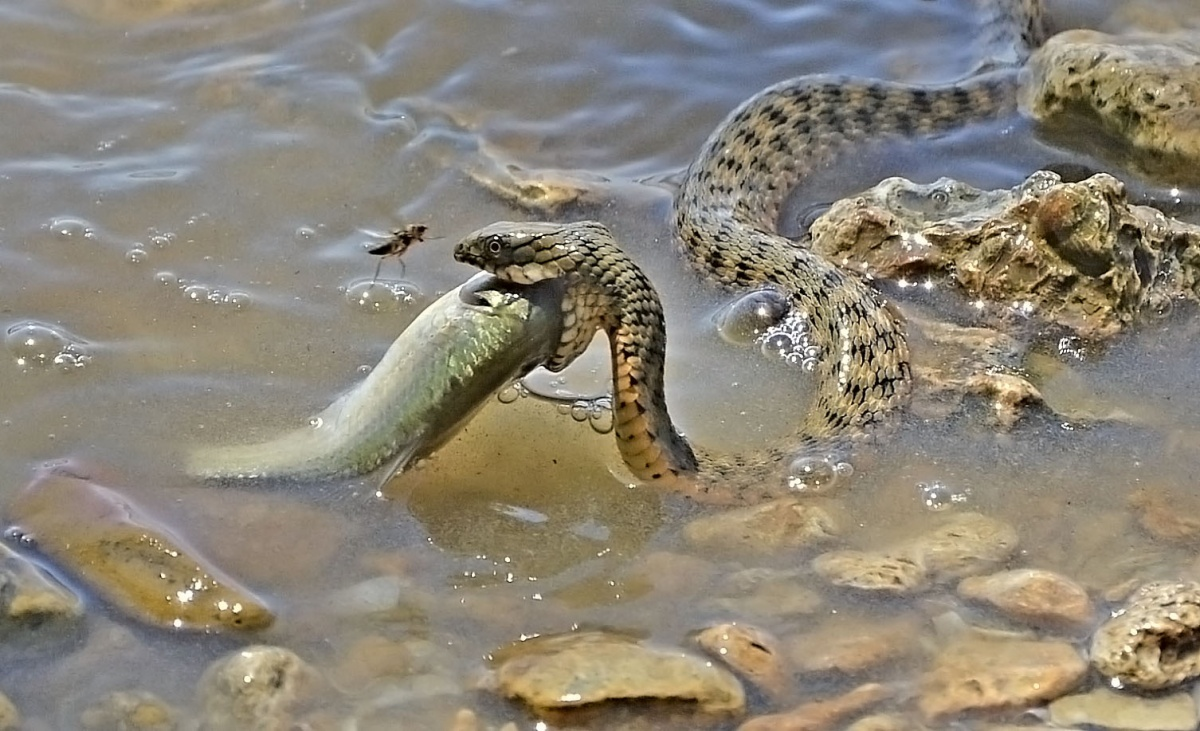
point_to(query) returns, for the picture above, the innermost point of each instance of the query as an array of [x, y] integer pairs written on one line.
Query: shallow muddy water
[[186, 189]]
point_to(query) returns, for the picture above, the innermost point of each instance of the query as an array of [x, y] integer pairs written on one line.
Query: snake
[[725, 222]]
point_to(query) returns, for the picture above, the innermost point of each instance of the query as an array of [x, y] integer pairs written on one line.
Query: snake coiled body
[[725, 222]]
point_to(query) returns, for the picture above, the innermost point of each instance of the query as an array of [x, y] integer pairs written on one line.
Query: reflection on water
[[187, 190]]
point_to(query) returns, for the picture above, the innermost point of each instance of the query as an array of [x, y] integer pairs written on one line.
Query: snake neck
[[631, 315]]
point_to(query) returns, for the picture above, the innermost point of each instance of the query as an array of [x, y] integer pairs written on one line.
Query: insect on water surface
[[400, 241]]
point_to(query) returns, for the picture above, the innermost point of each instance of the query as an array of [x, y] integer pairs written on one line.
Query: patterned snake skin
[[725, 221]]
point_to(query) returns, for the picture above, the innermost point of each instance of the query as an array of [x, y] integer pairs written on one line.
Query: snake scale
[[725, 222]]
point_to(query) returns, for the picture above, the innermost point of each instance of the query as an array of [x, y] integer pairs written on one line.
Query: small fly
[[397, 244]]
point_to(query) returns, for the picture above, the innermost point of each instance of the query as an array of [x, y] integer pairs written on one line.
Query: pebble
[[821, 715], [993, 675], [752, 652], [1166, 516], [258, 687], [766, 593], [774, 526], [852, 645], [1036, 597], [579, 668], [129, 711], [1153, 642], [1109, 709], [32, 601], [129, 559]]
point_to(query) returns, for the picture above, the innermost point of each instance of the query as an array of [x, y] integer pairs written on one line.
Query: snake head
[[523, 252]]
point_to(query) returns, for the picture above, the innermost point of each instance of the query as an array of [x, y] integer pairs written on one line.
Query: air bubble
[[305, 235], [600, 416], [72, 228], [746, 318], [237, 300], [316, 422], [580, 410], [790, 341], [167, 279], [136, 255], [379, 296], [37, 345], [938, 496], [815, 475], [195, 293]]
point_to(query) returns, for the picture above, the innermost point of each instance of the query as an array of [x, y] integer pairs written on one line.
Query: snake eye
[[494, 245]]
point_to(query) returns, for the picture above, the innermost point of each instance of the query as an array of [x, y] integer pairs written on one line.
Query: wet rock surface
[[32, 601], [1078, 255], [990, 675], [1143, 88], [129, 559], [578, 669], [763, 592], [851, 645], [965, 544], [1153, 641], [1036, 597], [1109, 709], [751, 652], [259, 687]]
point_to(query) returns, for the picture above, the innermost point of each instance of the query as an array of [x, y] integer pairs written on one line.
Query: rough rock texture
[[576, 669], [129, 711], [1143, 88], [259, 687], [822, 715], [1078, 255], [990, 675], [1040, 598], [1153, 642], [752, 652]]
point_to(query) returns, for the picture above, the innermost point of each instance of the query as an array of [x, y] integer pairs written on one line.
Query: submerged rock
[[1143, 88], [129, 711], [129, 559], [259, 687], [822, 715], [752, 652], [965, 544], [990, 675], [32, 602], [851, 646], [1103, 707], [1041, 598], [576, 669], [1153, 642], [777, 525]]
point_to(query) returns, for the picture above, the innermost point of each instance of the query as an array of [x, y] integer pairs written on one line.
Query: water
[[185, 193]]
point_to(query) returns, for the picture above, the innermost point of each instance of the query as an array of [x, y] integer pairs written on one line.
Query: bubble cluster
[[72, 229], [817, 475], [35, 345], [791, 341], [598, 413], [380, 296], [509, 394], [938, 495], [745, 319], [193, 291]]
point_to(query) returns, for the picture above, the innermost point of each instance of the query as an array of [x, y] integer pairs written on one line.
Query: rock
[[1143, 88], [129, 711], [1103, 707], [125, 556], [778, 525], [1069, 254], [762, 592], [575, 669], [872, 571], [33, 605], [374, 659], [992, 675], [964, 544], [886, 722], [259, 687], [751, 652], [1167, 516], [852, 645], [1153, 642], [821, 715], [10, 718], [1033, 596]]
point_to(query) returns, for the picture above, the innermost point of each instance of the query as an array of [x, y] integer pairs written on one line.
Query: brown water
[[186, 188]]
